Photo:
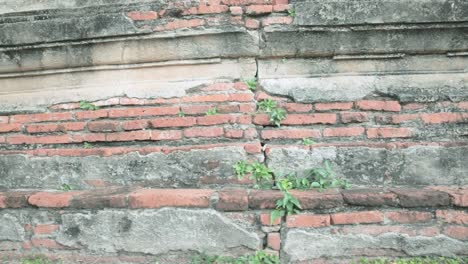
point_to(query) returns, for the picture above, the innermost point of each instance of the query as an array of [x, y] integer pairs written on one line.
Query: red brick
[[274, 241], [228, 109], [2, 140], [206, 98], [40, 117], [463, 105], [4, 128], [374, 105], [134, 125], [453, 216], [14, 199], [205, 9], [142, 15], [45, 229], [333, 106], [92, 114], [353, 117], [412, 197], [241, 97], [413, 106], [408, 216], [195, 109], [265, 219], [157, 198], [45, 243], [236, 10], [366, 217], [234, 133], [129, 136], [215, 120], [244, 120], [294, 107], [252, 23], [303, 119], [457, 232], [308, 220], [369, 197], [101, 126], [398, 119], [290, 133], [4, 119], [51, 200], [144, 111], [94, 137], [313, 199], [250, 133], [459, 197], [389, 132], [16, 140], [281, 7], [277, 20], [204, 132], [253, 148], [61, 127], [176, 24], [233, 200], [110, 197], [264, 199], [343, 132], [173, 122], [166, 135], [440, 118], [259, 9], [280, 2]]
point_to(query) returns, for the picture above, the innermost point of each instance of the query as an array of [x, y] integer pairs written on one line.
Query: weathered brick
[[389, 132], [365, 217], [180, 23], [173, 122], [129, 136], [277, 20], [241, 97], [206, 98], [20, 139], [234, 133], [236, 10], [333, 106], [369, 197], [457, 232], [142, 15], [421, 198], [103, 126], [308, 220], [252, 23], [134, 124], [398, 119], [14, 199], [143, 111], [274, 241], [215, 120], [4, 128], [265, 219], [205, 9], [4, 119], [195, 109], [440, 118], [61, 127], [258, 9], [30, 118], [374, 105], [92, 114], [290, 133], [233, 200], [157, 198], [207, 132], [295, 107], [353, 117], [51, 200], [408, 216], [261, 199], [343, 132], [100, 199], [42, 229], [453, 216], [45, 243], [313, 199]]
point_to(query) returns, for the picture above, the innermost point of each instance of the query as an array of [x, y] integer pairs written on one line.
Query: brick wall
[[120, 127]]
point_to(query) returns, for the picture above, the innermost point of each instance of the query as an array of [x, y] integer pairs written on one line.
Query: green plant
[[258, 172], [260, 257], [292, 12], [181, 114], [307, 141], [66, 187], [275, 114], [288, 205], [324, 178], [87, 145], [36, 260], [212, 111], [88, 106], [252, 84]]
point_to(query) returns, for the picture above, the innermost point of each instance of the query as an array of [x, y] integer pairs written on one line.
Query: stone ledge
[[234, 199]]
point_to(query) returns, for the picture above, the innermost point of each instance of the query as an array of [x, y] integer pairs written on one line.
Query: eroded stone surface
[[10, 228], [157, 232], [303, 245], [184, 168], [379, 166]]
